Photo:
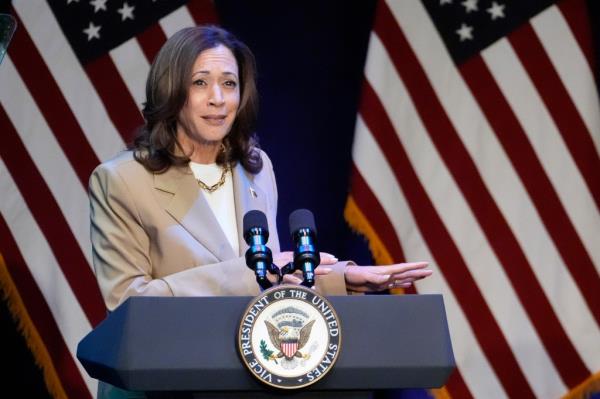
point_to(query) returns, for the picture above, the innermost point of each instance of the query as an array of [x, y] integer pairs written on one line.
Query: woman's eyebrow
[[204, 72]]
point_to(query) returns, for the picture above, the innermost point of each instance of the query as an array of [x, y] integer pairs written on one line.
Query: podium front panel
[[190, 344]]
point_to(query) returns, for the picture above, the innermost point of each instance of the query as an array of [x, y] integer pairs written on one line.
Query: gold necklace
[[215, 186]]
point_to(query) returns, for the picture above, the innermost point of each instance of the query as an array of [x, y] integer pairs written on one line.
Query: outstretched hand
[[379, 278]]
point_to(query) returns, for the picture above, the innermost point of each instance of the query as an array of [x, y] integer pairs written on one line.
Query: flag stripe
[[443, 248], [70, 77], [178, 19], [131, 63], [119, 103], [44, 208], [527, 286], [64, 365], [203, 11], [51, 103], [558, 102], [151, 40], [456, 385], [370, 161], [576, 14]]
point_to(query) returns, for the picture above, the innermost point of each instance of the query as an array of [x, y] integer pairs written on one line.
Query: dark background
[[310, 56]]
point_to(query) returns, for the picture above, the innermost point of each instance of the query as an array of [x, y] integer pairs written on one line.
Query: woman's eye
[[199, 82], [230, 83]]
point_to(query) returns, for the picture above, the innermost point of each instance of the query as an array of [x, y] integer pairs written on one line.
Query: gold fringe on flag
[[440, 393], [36, 345], [359, 223], [586, 389]]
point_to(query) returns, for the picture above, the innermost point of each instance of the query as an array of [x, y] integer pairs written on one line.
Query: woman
[[167, 214]]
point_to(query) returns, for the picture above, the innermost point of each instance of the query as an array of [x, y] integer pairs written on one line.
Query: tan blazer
[[155, 234]]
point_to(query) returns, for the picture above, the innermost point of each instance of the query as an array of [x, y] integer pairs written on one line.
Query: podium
[[186, 347]]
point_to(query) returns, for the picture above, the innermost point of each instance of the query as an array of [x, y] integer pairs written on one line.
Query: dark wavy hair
[[155, 145]]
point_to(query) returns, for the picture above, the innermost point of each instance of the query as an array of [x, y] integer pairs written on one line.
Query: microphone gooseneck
[[258, 256], [304, 234]]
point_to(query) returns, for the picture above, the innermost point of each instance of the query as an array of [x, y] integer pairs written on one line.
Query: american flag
[[477, 147], [71, 89]]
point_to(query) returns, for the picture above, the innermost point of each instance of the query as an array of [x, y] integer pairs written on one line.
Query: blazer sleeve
[[121, 250]]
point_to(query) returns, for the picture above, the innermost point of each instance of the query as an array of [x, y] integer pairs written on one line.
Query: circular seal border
[[248, 357]]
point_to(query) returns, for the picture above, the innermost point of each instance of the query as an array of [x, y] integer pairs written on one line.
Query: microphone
[[304, 234], [8, 24], [258, 257]]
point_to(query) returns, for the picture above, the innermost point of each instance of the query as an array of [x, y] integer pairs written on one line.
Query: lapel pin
[[253, 193]]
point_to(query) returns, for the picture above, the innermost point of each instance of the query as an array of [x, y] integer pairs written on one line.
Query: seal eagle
[[287, 341]]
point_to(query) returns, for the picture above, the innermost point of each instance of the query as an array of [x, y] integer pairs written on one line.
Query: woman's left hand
[[379, 278]]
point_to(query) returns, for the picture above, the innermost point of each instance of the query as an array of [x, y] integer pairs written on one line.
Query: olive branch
[[267, 353]]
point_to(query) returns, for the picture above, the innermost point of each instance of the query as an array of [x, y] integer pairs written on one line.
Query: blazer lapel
[[247, 196], [190, 209]]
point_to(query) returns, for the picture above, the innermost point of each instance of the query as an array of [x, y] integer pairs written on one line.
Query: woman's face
[[213, 97]]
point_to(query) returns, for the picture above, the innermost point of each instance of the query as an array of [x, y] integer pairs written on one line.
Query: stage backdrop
[[465, 133]]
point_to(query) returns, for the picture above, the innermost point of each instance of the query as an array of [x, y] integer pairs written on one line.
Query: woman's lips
[[214, 120]]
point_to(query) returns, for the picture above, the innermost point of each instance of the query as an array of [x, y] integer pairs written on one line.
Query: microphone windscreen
[[8, 24], [302, 219], [255, 218]]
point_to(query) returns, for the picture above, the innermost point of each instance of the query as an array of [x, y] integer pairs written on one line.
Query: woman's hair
[[156, 145]]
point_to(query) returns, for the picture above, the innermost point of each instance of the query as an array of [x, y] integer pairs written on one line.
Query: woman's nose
[[216, 96]]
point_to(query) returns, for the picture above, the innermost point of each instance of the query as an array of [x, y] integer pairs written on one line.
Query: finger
[[322, 271], [291, 279], [399, 267], [414, 274], [378, 279], [399, 285], [328, 259]]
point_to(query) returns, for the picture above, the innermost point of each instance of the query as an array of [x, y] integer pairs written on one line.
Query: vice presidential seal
[[289, 337]]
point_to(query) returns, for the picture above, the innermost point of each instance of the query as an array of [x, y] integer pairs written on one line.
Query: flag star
[[442, 2], [92, 31], [126, 11], [465, 32], [496, 10], [470, 5], [98, 5]]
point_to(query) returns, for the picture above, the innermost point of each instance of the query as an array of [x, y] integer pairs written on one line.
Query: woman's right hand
[[283, 258]]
